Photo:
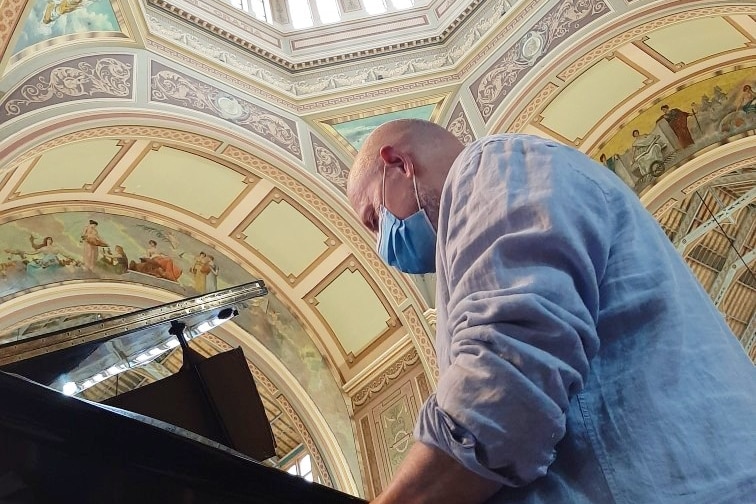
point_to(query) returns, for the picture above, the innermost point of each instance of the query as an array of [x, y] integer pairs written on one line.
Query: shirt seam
[[603, 462]]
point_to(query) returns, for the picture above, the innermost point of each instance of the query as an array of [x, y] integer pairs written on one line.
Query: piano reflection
[[197, 436]]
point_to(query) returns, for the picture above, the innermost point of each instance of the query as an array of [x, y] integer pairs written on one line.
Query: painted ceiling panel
[[47, 20], [68, 167], [187, 181], [586, 100], [355, 132], [713, 35], [286, 237], [353, 310]]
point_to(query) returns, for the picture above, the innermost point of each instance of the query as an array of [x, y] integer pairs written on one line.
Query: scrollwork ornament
[[561, 21], [107, 76], [330, 167], [172, 87], [460, 127]]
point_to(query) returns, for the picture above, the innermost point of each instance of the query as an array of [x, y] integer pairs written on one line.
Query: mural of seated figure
[[157, 264]]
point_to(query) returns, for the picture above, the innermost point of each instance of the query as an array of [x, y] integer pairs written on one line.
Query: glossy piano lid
[[55, 448]]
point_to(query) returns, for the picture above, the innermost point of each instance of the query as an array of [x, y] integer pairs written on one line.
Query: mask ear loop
[[417, 197], [383, 196]]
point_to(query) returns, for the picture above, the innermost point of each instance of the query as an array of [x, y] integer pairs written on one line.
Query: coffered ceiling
[[193, 124]]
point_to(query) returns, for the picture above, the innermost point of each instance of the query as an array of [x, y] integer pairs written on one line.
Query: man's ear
[[395, 159]]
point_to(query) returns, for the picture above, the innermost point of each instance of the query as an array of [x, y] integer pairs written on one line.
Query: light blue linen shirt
[[581, 361]]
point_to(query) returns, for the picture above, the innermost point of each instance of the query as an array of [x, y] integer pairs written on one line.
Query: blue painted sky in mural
[[356, 131], [50, 19]]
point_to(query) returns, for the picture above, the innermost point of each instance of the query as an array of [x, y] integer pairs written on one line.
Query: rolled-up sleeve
[[524, 238]]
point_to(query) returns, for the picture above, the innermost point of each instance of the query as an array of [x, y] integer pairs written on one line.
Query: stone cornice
[[339, 75], [282, 48]]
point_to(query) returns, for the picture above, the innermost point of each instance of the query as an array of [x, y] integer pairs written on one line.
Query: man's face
[[400, 200]]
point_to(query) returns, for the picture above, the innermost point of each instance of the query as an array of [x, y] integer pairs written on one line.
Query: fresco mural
[[48, 249], [355, 132], [669, 133], [48, 19], [52, 248]]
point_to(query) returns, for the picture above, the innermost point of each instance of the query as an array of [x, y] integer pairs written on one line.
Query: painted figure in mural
[[720, 96], [747, 102], [648, 158], [610, 162], [211, 283], [117, 262], [44, 255], [580, 360], [156, 263], [678, 121], [55, 9], [91, 240], [200, 269]]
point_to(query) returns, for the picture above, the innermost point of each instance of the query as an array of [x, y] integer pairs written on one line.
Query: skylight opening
[[403, 4], [301, 16], [258, 8], [328, 11], [375, 6]]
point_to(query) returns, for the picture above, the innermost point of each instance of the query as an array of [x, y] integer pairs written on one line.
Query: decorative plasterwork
[[359, 73], [384, 379], [329, 165], [422, 341], [641, 30], [175, 88], [563, 20], [306, 195], [267, 42], [167, 134], [459, 125], [108, 76]]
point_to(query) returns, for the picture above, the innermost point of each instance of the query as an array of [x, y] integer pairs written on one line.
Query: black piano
[[58, 448]]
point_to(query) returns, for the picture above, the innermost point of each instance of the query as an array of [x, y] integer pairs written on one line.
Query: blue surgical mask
[[408, 244]]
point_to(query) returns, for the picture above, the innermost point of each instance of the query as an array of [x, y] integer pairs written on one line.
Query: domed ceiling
[[209, 128]]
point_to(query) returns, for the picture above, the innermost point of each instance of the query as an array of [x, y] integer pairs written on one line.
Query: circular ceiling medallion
[[532, 46], [229, 107]]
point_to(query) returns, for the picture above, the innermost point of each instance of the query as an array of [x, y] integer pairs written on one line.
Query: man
[[580, 360]]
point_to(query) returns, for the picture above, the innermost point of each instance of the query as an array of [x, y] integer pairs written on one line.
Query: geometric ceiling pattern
[[192, 132]]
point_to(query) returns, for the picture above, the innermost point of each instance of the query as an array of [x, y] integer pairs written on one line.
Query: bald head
[[409, 150]]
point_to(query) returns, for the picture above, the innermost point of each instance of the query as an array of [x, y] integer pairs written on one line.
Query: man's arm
[[428, 475]]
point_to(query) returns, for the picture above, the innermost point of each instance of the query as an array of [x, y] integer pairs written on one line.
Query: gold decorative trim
[[527, 114], [393, 323], [387, 377], [309, 197], [148, 132], [671, 202], [718, 173], [642, 29], [577, 142], [124, 145], [423, 342], [674, 66], [249, 181], [312, 448], [370, 456], [331, 242]]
